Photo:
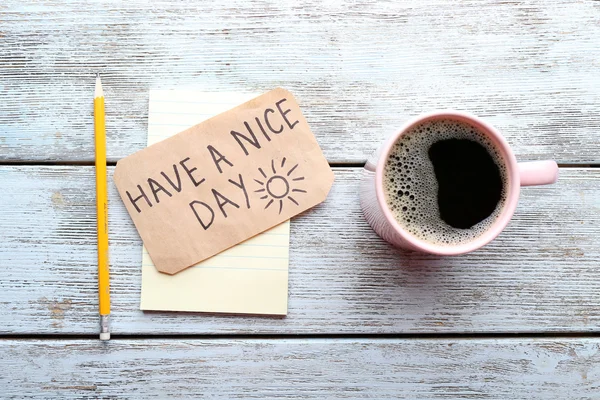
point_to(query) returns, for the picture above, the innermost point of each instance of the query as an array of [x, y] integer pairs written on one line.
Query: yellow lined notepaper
[[250, 278]]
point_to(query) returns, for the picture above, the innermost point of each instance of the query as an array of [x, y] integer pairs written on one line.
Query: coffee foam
[[411, 188]]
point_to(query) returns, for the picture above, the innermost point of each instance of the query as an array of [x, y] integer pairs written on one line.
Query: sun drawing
[[277, 187]]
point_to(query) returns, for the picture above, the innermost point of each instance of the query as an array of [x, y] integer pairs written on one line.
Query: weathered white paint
[[540, 275], [358, 69], [302, 369]]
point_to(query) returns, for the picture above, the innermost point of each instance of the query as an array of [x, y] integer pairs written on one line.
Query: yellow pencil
[[102, 211]]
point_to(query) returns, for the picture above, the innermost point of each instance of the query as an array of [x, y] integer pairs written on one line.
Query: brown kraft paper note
[[223, 181]]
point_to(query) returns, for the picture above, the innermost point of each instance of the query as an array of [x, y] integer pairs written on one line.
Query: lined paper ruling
[[250, 278]]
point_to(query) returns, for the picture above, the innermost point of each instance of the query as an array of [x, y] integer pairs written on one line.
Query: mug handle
[[538, 172]]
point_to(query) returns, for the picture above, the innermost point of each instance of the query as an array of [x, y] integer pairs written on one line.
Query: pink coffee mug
[[382, 221]]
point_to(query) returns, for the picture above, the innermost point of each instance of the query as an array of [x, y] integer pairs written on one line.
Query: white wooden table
[[519, 318]]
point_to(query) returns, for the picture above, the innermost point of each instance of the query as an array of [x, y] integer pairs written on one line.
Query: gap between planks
[[32, 163], [399, 336]]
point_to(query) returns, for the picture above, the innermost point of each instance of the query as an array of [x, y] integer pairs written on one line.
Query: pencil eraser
[[105, 336]]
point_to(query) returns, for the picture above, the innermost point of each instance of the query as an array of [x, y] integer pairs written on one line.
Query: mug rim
[[513, 187]]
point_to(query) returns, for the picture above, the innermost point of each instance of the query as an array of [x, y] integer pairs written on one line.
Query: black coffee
[[445, 182], [469, 181]]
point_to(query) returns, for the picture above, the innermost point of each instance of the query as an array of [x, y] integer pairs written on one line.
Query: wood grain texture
[[359, 70], [540, 275], [302, 369]]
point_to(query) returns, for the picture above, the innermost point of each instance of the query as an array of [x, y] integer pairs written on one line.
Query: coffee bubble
[[411, 187]]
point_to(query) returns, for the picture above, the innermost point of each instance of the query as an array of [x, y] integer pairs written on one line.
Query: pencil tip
[[98, 91]]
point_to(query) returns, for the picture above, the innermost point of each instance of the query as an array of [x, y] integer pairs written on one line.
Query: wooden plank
[[540, 275], [303, 369], [359, 71]]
